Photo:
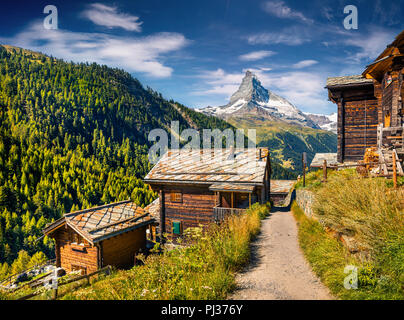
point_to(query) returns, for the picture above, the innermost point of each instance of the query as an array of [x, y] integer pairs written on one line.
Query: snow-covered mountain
[[325, 122], [253, 98]]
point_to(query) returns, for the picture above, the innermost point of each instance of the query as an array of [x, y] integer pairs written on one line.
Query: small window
[[176, 197], [177, 227]]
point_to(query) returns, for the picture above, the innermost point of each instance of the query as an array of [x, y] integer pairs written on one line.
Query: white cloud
[[109, 17], [281, 10], [257, 55], [291, 36], [134, 54], [304, 64], [371, 45], [219, 82]]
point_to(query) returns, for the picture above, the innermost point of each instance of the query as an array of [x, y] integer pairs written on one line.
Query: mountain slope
[[253, 98], [287, 142], [72, 136], [325, 122], [279, 125]]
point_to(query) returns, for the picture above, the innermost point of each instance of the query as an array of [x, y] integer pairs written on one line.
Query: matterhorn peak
[[252, 98]]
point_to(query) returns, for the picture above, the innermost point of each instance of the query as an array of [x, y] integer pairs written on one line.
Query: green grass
[[370, 212], [204, 270]]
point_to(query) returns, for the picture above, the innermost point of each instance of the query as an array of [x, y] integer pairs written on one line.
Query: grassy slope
[[287, 142], [373, 215], [202, 271]]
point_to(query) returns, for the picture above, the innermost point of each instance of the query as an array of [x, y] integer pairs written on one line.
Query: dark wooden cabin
[[370, 106], [90, 239], [357, 115], [198, 187]]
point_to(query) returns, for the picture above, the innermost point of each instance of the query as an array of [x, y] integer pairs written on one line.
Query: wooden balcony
[[220, 213]]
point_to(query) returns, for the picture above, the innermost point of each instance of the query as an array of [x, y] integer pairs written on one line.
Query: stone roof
[[208, 166], [232, 187], [320, 157], [282, 186], [348, 80], [100, 223], [154, 209]]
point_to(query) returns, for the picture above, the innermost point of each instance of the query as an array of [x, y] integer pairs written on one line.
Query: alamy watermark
[[351, 280], [51, 20], [204, 145], [351, 20]]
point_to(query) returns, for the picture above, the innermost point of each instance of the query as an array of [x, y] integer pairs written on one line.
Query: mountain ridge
[[252, 98]]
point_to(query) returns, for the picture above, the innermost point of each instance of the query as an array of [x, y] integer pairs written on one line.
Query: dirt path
[[278, 270]]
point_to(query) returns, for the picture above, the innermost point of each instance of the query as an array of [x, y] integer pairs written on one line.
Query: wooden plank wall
[[196, 207], [120, 251], [361, 119], [70, 256]]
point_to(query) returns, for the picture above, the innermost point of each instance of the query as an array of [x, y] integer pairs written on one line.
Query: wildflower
[[206, 287]]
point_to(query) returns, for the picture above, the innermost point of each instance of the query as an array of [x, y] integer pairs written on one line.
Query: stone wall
[[305, 200]]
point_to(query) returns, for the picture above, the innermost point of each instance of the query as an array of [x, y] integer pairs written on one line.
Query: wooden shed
[[357, 115], [203, 186], [90, 239], [280, 190]]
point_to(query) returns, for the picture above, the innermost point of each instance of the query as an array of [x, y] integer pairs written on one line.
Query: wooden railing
[[390, 136], [107, 270], [13, 278], [220, 213]]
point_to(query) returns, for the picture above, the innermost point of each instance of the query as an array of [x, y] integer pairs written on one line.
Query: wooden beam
[[394, 171], [162, 216], [325, 171]]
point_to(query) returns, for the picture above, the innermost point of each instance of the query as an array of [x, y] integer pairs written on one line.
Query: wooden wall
[[196, 207], [120, 251], [70, 256], [358, 118], [361, 120]]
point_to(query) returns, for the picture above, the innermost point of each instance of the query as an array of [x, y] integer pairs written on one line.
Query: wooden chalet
[[280, 190], [90, 239], [203, 186], [370, 107]]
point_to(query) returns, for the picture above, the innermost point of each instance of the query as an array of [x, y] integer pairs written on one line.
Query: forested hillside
[[72, 136]]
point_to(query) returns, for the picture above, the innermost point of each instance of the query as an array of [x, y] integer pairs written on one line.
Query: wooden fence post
[[325, 170], [394, 170], [54, 294]]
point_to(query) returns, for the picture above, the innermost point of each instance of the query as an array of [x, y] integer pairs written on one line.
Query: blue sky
[[196, 52]]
